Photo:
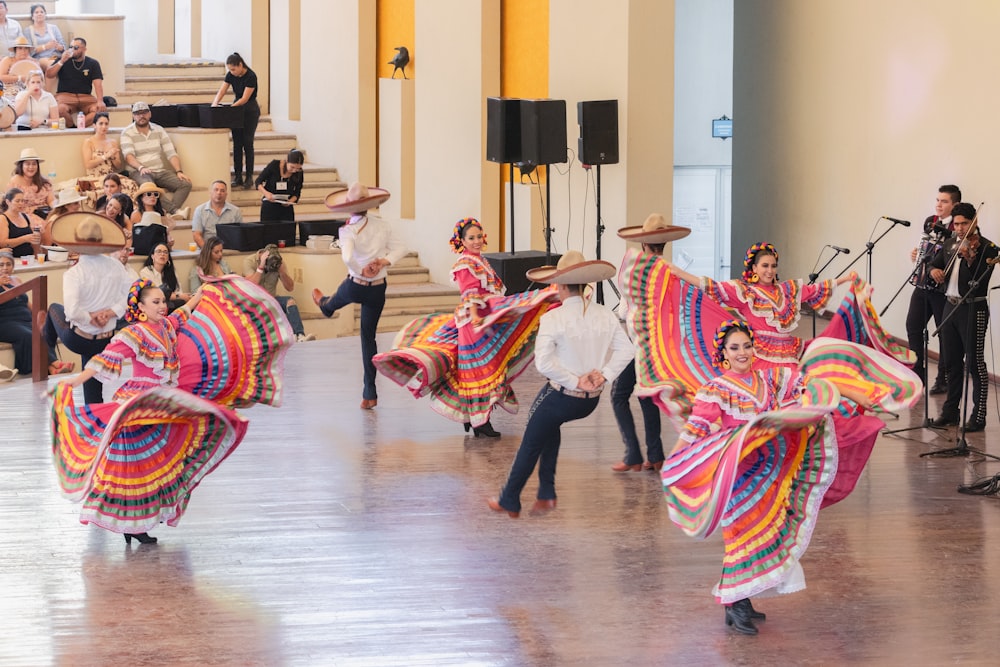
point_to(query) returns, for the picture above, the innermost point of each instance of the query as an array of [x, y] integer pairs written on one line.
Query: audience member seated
[[67, 201], [145, 145], [112, 185], [34, 106], [216, 211], [16, 67], [280, 186], [159, 270], [47, 42], [27, 177], [266, 267], [19, 230], [10, 29], [114, 210], [102, 157], [15, 325], [150, 225], [209, 262], [81, 83]]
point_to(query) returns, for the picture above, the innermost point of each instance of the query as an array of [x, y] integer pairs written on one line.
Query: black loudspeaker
[[503, 129], [598, 121], [511, 267], [543, 131]]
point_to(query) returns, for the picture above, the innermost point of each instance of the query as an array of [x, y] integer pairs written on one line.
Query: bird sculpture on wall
[[400, 60]]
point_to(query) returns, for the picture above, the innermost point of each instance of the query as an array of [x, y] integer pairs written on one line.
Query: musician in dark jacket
[[927, 299], [964, 266]]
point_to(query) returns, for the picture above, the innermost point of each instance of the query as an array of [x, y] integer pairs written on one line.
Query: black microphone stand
[[961, 447], [869, 247], [926, 342], [813, 276]]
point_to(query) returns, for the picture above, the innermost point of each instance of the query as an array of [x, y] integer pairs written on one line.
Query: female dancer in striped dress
[[760, 455], [134, 462], [465, 361]]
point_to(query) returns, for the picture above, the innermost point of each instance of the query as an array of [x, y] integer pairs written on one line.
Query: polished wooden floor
[[335, 536]]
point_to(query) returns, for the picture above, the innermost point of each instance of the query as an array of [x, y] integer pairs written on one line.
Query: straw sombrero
[[20, 42], [87, 233], [148, 186], [654, 230], [572, 269], [67, 196], [356, 199]]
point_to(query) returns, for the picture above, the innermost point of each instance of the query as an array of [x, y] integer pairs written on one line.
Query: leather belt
[[574, 392], [955, 300], [89, 336], [367, 283]]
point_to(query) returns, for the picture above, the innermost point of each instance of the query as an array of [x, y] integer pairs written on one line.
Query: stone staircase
[[193, 81]]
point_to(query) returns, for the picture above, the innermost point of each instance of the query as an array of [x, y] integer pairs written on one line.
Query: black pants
[[243, 140], [924, 304], [56, 329], [963, 348], [372, 300]]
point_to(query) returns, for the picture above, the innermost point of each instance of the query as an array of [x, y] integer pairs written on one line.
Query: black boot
[[754, 614], [144, 538], [486, 430], [738, 617]]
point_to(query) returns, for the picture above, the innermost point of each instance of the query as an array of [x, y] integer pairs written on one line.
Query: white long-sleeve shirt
[[576, 338], [94, 283], [365, 239]]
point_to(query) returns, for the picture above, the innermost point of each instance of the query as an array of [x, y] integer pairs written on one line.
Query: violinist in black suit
[[964, 266]]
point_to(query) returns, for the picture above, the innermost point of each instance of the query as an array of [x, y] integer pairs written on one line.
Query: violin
[[970, 246]]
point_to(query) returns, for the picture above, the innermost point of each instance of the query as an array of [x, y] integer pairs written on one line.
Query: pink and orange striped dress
[[134, 462], [465, 368]]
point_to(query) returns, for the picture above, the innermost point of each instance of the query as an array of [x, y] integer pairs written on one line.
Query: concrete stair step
[[172, 96], [172, 82], [178, 69]]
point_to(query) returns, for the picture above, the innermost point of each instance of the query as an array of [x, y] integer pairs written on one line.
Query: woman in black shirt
[[280, 186], [244, 83]]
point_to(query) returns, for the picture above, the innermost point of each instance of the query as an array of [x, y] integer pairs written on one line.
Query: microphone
[[938, 228], [905, 223], [846, 251]]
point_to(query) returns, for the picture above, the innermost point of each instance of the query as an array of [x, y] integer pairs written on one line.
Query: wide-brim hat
[[356, 199], [29, 154], [147, 187], [20, 42], [572, 269], [654, 230], [87, 233], [67, 196]]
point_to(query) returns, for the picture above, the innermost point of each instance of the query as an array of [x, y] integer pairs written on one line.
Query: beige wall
[[849, 110]]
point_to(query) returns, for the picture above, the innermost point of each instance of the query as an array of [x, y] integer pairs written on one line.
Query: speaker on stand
[[597, 145], [543, 141], [503, 141]]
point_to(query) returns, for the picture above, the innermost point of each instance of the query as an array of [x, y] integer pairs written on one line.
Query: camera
[[273, 262]]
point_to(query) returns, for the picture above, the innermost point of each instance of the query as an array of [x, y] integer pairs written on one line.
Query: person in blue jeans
[[654, 234], [579, 346]]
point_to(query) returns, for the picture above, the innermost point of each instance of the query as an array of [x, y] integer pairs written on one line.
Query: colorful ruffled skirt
[[467, 370]]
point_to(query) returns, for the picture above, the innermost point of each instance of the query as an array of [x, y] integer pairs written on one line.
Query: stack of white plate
[[320, 242]]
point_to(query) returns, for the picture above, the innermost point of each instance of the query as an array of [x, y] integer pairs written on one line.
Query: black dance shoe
[[939, 388], [738, 618], [754, 614], [486, 430], [974, 426], [945, 420], [144, 538]]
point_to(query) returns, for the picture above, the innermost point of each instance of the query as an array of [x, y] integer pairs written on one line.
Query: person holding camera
[[266, 268], [81, 83]]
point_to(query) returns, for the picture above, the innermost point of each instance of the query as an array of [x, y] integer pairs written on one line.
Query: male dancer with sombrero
[[654, 234], [580, 345], [95, 290], [368, 249]]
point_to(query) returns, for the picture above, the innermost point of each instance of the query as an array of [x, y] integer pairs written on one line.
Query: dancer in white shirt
[[580, 346], [368, 249]]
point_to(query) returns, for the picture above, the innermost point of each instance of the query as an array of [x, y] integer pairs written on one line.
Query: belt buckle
[[954, 300]]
